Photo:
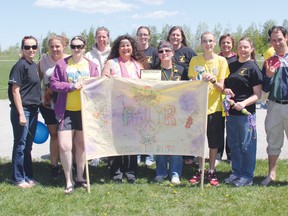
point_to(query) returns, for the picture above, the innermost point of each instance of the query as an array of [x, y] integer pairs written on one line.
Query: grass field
[[145, 197]]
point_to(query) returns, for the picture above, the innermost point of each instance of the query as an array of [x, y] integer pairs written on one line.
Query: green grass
[[5, 68], [145, 197]]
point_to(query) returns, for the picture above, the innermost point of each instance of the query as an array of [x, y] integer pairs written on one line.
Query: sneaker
[[212, 179], [55, 171], [149, 161], [175, 179], [242, 182], [159, 178], [196, 178], [231, 179]]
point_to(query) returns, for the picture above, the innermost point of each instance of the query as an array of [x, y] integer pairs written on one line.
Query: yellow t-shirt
[[217, 66], [74, 73]]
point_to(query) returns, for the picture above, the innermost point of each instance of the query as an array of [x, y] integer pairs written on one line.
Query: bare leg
[[79, 154], [272, 160], [65, 148], [212, 158], [54, 149]]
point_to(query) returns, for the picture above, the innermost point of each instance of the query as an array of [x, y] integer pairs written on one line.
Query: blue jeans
[[242, 142], [175, 165], [22, 146]]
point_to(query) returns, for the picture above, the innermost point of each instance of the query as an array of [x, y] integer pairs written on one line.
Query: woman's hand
[[228, 91]]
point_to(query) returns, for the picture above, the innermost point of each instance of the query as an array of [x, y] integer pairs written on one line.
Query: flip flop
[[69, 189]]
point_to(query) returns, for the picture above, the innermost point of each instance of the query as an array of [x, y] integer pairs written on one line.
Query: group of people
[[235, 84]]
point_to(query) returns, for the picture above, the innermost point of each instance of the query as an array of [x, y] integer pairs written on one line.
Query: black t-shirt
[[151, 54], [241, 80], [178, 71], [182, 57], [25, 75]]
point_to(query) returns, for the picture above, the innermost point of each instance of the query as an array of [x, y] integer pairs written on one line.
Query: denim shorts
[[72, 121]]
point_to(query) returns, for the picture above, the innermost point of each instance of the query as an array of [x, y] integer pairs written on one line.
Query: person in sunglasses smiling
[[66, 80], [25, 97], [169, 71]]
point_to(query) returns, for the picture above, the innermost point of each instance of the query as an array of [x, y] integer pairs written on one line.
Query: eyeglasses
[[26, 47], [165, 50], [77, 46]]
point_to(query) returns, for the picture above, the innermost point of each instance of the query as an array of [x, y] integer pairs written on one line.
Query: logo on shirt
[[242, 72], [182, 59], [149, 59]]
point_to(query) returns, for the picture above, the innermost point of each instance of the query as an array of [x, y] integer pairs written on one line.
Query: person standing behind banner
[[66, 81], [24, 92], [226, 43], [101, 49], [182, 56], [211, 68], [99, 53], [143, 36], [275, 76], [244, 86], [125, 60], [47, 63], [169, 71], [182, 53]]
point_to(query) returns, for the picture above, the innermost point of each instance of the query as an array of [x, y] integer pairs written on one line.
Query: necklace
[[173, 70]]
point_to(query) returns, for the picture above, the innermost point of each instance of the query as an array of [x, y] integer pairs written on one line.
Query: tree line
[[257, 33]]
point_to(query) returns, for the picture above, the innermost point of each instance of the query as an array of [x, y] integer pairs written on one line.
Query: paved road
[[42, 150]]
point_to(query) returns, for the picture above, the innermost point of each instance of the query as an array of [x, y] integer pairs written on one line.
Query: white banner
[[129, 116]]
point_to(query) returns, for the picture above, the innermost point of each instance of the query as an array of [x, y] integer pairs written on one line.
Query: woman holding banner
[[169, 71], [125, 60], [66, 81]]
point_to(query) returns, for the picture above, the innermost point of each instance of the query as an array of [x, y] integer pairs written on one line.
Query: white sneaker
[[242, 182], [175, 180], [231, 179]]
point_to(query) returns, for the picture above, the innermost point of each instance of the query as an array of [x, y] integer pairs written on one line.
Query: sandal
[[69, 189], [81, 184]]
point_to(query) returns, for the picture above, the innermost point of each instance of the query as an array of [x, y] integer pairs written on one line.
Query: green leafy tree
[[90, 38]]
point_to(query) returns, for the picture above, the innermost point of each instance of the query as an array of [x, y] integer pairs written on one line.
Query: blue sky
[[38, 17]]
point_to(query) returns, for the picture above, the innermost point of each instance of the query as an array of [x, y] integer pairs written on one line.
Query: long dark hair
[[137, 54], [183, 42]]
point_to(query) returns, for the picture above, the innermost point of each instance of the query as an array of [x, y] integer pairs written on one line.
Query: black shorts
[[215, 130], [48, 115], [72, 121]]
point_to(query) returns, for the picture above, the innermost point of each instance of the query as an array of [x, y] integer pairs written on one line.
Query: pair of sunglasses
[[166, 51], [77, 46], [26, 47]]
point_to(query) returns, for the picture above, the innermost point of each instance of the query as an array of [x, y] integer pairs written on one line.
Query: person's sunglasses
[[26, 47], [77, 46], [166, 51]]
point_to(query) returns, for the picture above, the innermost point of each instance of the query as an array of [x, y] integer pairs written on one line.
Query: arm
[[18, 103], [106, 71], [58, 82], [257, 91]]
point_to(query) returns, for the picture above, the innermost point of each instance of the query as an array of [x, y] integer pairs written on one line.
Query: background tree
[[90, 38]]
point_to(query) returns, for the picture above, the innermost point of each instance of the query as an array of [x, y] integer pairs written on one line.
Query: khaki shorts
[[276, 122]]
